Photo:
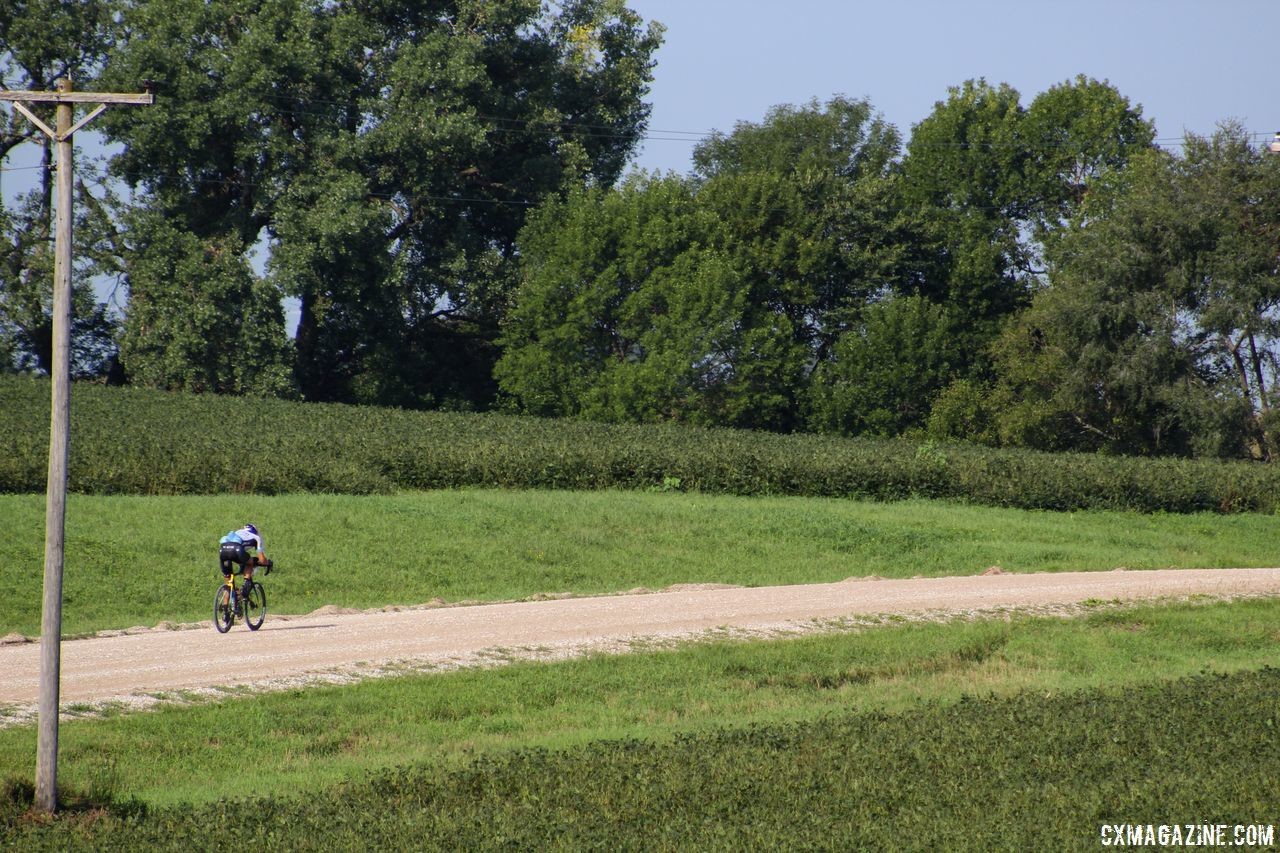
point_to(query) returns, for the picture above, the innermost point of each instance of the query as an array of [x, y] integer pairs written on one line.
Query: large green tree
[[807, 196], [199, 319], [709, 299], [1159, 331], [996, 183], [628, 310], [1076, 134], [965, 166], [385, 154], [1230, 189], [42, 41], [886, 370]]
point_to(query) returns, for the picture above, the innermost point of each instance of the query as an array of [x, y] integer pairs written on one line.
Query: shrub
[[135, 441]]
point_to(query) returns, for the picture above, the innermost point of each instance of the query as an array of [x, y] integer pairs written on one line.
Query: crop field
[[133, 441], [1020, 732]]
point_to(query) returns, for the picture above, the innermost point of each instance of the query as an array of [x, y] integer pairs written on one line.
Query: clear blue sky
[[1188, 63]]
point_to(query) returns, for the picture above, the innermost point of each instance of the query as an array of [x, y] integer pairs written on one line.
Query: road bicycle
[[248, 601]]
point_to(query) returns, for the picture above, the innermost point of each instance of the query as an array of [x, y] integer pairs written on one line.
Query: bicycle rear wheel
[[255, 604], [224, 612]]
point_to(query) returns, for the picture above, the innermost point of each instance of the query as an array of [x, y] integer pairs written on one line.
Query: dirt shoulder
[[142, 666]]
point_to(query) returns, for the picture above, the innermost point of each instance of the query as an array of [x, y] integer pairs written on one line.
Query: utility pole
[[59, 415]]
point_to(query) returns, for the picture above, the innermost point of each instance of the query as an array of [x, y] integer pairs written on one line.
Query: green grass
[[142, 560], [1028, 772], [303, 742]]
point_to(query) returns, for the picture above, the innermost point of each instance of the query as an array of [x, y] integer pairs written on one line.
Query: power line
[[581, 128], [101, 177]]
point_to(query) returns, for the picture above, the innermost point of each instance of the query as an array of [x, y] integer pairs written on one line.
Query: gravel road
[[335, 645]]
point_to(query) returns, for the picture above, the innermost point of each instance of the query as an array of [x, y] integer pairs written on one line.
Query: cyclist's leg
[[226, 558], [246, 567], [233, 555], [242, 561]]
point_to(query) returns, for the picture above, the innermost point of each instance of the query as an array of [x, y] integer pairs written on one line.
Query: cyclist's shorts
[[232, 553]]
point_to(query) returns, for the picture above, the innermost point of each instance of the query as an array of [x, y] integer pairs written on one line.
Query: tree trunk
[[1257, 375], [1266, 438], [1241, 371], [1260, 448], [305, 346]]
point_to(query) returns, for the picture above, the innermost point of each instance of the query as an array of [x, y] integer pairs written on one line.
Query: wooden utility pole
[[59, 416]]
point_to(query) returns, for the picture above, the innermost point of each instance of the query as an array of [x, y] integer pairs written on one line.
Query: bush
[[135, 441]]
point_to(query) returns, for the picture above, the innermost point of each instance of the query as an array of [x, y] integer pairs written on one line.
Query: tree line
[[442, 188]]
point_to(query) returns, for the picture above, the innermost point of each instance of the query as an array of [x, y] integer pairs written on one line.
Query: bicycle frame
[[238, 603]]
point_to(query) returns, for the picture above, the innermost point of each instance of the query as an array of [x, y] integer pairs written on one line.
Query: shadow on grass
[[82, 808]]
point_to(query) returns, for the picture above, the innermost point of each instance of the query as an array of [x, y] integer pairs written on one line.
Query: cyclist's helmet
[[251, 529]]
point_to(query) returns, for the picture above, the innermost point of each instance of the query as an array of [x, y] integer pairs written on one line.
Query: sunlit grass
[[306, 740], [142, 560]]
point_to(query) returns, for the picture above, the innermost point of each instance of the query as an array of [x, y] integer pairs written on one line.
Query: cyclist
[[233, 549]]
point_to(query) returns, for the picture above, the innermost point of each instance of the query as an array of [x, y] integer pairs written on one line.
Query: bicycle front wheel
[[255, 605], [224, 612]]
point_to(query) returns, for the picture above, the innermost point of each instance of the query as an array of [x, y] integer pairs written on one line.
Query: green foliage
[[198, 319], [998, 182], [1158, 334], [708, 300], [624, 298], [961, 412], [385, 154], [134, 441], [965, 163], [842, 137], [966, 775], [26, 295], [784, 284], [1078, 133], [887, 370], [41, 41]]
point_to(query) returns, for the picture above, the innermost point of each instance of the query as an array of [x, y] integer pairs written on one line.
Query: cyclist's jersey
[[244, 537]]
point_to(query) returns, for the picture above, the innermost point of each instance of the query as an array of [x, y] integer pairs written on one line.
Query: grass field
[[1034, 731], [895, 735], [143, 560], [1030, 772], [306, 741]]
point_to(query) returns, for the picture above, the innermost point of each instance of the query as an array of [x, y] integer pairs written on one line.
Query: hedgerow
[[135, 441], [1028, 773]]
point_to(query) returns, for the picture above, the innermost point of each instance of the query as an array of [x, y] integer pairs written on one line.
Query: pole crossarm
[[145, 99], [20, 98], [82, 122], [22, 108]]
